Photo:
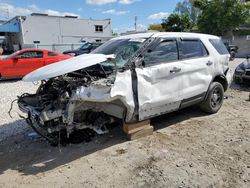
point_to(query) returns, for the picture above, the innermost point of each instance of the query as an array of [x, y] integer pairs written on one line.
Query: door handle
[[209, 63], [175, 70]]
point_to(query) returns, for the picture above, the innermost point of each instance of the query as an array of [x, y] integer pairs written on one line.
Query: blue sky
[[121, 12]]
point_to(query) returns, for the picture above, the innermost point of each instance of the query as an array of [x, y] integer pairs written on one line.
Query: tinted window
[[166, 51], [219, 46], [31, 54], [52, 54], [193, 48]]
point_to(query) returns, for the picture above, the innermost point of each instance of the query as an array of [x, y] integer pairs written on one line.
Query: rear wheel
[[214, 99]]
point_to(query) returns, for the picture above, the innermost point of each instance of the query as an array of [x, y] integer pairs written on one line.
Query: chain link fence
[[54, 47]]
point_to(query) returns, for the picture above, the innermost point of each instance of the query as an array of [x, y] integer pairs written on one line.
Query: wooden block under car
[[134, 127], [142, 133], [138, 130]]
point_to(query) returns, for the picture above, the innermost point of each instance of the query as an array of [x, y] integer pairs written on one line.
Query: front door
[[160, 80], [27, 62]]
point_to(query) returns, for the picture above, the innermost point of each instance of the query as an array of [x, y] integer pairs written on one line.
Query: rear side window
[[193, 49], [31, 54], [52, 54], [219, 46], [166, 51]]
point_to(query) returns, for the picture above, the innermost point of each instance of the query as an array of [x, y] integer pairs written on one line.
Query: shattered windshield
[[123, 49]]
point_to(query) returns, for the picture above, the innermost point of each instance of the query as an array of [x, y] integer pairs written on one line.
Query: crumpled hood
[[66, 66]]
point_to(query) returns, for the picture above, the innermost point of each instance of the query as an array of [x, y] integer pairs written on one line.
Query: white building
[[44, 30]]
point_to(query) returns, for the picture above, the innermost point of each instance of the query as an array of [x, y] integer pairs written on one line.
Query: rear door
[[160, 81], [197, 68]]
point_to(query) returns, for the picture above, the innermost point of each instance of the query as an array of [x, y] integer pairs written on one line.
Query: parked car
[[25, 61], [84, 49], [242, 72], [128, 79], [232, 49]]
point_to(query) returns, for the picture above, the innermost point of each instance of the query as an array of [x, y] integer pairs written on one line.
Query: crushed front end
[[77, 101]]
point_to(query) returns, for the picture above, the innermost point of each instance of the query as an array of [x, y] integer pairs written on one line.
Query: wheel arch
[[222, 80]]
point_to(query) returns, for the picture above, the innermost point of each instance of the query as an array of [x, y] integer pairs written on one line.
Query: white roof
[[166, 34]]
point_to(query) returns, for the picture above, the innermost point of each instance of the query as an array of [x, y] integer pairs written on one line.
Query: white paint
[[196, 76], [159, 90]]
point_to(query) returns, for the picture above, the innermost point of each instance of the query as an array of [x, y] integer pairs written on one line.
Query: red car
[[25, 61]]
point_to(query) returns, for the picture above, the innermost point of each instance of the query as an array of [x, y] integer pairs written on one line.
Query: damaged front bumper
[[57, 110]]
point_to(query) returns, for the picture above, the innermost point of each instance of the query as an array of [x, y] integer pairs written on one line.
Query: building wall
[[61, 30], [243, 42]]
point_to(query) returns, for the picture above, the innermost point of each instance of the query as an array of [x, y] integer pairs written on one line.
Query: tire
[[214, 99]]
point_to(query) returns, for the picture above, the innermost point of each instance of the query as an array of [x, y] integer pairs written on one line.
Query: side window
[[219, 46], [31, 54], [166, 51], [193, 48], [52, 54]]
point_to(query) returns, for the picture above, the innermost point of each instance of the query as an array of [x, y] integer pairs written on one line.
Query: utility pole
[[135, 23], [8, 13]]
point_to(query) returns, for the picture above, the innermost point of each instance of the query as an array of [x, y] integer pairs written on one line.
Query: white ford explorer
[[128, 79]]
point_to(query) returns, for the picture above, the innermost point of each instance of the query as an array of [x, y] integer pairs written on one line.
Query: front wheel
[[214, 99]]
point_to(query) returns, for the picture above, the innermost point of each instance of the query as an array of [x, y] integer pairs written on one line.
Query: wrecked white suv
[[128, 79]]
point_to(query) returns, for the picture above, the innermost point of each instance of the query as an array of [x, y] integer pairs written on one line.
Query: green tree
[[177, 23], [220, 17], [156, 27]]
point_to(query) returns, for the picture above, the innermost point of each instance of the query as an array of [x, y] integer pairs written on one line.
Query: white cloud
[[115, 12], [127, 1], [140, 27], [158, 16], [100, 2], [8, 10], [104, 2]]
